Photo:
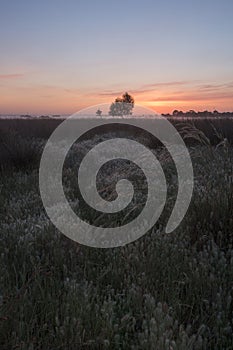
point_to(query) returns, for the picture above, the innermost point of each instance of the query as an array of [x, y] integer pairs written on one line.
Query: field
[[164, 291], [43, 128]]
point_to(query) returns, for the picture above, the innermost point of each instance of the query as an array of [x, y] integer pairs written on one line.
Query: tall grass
[[43, 128], [164, 291], [18, 151]]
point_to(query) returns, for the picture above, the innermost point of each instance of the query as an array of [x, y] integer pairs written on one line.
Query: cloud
[[194, 97], [191, 90], [110, 93], [169, 83], [11, 76], [215, 87], [144, 88]]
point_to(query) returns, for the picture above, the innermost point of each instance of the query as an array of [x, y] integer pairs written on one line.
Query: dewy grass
[[164, 291]]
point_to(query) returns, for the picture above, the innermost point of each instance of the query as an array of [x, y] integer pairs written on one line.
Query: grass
[[164, 291], [19, 152], [214, 129]]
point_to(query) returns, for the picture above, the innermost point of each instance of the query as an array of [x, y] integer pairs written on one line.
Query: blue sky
[[65, 55]]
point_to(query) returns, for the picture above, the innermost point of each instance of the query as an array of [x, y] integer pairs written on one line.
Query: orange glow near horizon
[[58, 58], [57, 100]]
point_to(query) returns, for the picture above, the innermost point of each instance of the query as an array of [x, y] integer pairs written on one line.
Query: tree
[[98, 112], [128, 99], [122, 105], [175, 113]]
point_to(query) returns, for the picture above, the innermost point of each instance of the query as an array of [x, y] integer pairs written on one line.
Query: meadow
[[163, 291]]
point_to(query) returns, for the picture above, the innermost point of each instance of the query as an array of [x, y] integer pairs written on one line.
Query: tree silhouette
[[98, 112], [122, 106]]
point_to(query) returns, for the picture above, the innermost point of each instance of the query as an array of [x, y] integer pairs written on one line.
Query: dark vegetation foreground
[[164, 291]]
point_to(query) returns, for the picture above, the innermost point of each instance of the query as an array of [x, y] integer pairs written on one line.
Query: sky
[[59, 56]]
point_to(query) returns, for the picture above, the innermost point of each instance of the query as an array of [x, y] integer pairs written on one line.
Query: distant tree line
[[123, 106], [193, 114]]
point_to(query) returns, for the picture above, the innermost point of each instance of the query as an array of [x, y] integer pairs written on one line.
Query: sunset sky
[[59, 56]]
